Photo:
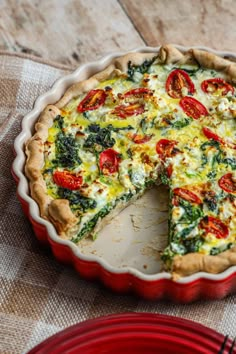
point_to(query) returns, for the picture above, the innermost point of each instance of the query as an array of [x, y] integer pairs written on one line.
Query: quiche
[[148, 118]]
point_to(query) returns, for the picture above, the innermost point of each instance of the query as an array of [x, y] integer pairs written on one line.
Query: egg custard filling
[[147, 119]]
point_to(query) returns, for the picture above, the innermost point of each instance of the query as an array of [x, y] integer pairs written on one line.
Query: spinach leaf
[[76, 200], [144, 125], [193, 244], [179, 124], [129, 153], [211, 142], [217, 157], [86, 114], [183, 233], [230, 161], [192, 212], [164, 179], [99, 136], [204, 159], [150, 183], [212, 174], [211, 202], [94, 128], [67, 154], [126, 197], [182, 247], [143, 68], [59, 122]]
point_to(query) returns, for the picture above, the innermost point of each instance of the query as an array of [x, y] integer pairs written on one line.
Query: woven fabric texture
[[39, 296]]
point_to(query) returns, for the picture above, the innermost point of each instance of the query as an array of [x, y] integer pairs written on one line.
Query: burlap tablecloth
[[39, 296]]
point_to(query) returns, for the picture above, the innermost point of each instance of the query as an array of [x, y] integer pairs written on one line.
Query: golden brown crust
[[58, 211], [169, 55], [35, 159], [61, 215], [195, 262]]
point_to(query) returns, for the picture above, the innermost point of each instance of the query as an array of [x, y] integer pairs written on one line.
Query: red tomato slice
[[138, 92], [214, 226], [176, 81], [192, 107], [213, 85], [166, 148], [124, 111], [141, 139], [187, 195], [93, 100], [109, 161], [67, 180], [227, 183], [211, 135]]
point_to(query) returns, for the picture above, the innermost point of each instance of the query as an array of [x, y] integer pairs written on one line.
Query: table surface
[[75, 31], [38, 296]]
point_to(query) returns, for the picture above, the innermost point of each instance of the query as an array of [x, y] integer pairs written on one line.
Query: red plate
[[134, 333]]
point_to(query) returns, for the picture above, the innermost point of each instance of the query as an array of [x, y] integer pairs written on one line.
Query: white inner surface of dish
[[136, 236]]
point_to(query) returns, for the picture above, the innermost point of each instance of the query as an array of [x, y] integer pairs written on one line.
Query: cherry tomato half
[[109, 161], [176, 81], [93, 100], [166, 148], [141, 139], [67, 180], [124, 111], [187, 195], [227, 183], [138, 92], [192, 107], [216, 84], [212, 225], [211, 135]]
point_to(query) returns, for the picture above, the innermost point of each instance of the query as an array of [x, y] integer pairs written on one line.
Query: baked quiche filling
[[155, 123]]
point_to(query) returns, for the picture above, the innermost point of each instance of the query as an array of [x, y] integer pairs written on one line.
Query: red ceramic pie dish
[[116, 257], [134, 333]]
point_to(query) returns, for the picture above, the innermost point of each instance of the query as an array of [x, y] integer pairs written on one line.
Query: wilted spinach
[[192, 212], [193, 244], [211, 202], [59, 122], [67, 152], [179, 124], [218, 155], [76, 200], [230, 161], [99, 136], [143, 68]]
